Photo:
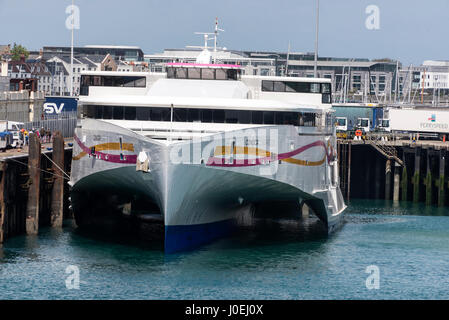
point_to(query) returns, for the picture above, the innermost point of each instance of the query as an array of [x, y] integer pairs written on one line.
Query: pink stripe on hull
[[220, 162], [114, 158]]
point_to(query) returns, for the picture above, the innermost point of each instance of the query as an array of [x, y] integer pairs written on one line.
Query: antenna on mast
[[216, 34], [206, 39]]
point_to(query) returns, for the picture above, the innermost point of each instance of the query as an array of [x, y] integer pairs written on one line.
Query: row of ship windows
[[293, 86], [307, 119], [203, 73]]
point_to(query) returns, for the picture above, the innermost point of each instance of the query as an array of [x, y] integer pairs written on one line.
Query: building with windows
[[20, 76], [352, 79], [40, 71], [435, 75], [119, 53]]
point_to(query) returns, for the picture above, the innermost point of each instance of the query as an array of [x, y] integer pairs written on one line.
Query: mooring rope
[[40, 169], [56, 165]]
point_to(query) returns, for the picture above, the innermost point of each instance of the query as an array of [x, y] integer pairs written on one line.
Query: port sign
[[52, 108], [59, 105]]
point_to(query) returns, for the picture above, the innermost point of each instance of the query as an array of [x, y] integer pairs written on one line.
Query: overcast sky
[[410, 30]]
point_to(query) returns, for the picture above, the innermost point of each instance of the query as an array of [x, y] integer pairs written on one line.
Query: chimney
[[22, 58]]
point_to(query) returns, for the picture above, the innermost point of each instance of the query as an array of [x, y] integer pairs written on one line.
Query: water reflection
[[388, 207], [271, 259]]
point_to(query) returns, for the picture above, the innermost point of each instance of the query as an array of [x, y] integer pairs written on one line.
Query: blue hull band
[[189, 237]]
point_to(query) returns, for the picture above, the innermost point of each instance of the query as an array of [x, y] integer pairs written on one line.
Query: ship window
[[219, 116], [279, 86], [99, 112], [194, 73], [202, 73], [279, 117], [170, 73], [142, 113], [232, 74], [96, 81], [315, 87], [181, 73], [326, 98], [193, 115], [244, 116], [128, 82], [166, 114], [268, 117], [267, 85], [111, 81], [130, 113], [231, 116], [290, 87], [140, 82], [90, 112], [325, 88], [208, 74], [180, 115], [107, 112], [308, 119], [108, 81], [220, 74], [299, 86], [156, 114], [206, 115], [117, 113], [160, 114], [257, 117]]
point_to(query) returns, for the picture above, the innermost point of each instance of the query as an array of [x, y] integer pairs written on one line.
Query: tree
[[17, 51]]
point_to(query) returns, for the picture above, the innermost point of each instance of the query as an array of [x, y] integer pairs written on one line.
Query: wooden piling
[[4, 167], [416, 175], [397, 181], [404, 183], [388, 180], [441, 179], [57, 197], [428, 181], [34, 164]]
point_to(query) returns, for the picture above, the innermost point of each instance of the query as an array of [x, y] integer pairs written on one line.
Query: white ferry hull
[[200, 199]]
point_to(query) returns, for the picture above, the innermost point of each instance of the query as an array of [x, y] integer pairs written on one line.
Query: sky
[[409, 30]]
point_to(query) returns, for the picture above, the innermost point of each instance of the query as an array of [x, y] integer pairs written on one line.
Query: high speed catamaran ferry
[[201, 145]]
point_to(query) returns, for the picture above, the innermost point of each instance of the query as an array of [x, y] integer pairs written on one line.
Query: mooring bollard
[[57, 196], [34, 165]]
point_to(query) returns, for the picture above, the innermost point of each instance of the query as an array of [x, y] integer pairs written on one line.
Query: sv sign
[[52, 108]]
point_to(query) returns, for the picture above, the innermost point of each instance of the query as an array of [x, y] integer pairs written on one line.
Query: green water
[[408, 243]]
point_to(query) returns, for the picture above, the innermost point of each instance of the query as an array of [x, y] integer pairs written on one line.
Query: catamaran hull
[[200, 197]]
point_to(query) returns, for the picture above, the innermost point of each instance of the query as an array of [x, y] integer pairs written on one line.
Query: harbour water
[[409, 243]]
